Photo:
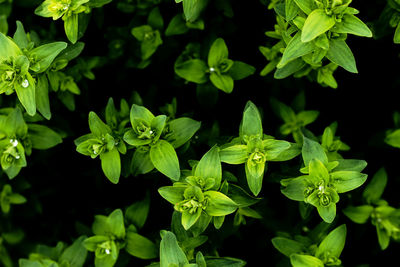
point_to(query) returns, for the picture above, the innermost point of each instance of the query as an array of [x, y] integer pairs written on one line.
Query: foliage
[[206, 157]]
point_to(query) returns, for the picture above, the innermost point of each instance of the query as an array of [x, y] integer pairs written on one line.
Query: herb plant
[[117, 147]]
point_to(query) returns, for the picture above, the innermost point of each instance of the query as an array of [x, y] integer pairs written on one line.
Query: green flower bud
[[144, 132]]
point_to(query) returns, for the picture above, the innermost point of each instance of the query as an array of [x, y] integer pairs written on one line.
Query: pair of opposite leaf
[[111, 236], [8, 198], [202, 194], [22, 68], [172, 255], [154, 139], [59, 256], [303, 252], [323, 180], [385, 217], [254, 149], [310, 31], [294, 122], [219, 69], [17, 138], [149, 36], [70, 11]]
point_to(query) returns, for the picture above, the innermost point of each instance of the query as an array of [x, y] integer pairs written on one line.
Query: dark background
[[67, 187]]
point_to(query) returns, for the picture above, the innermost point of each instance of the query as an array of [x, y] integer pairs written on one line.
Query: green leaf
[[295, 49], [290, 68], [396, 37], [141, 162], [111, 165], [158, 124], [345, 181], [353, 25], [200, 261], [313, 150], [14, 124], [217, 53], [340, 54], [294, 189], [189, 219], [305, 5], [293, 151], [307, 116], [273, 148], [236, 154], [170, 252], [193, 70], [71, 28], [254, 175], [317, 23], [75, 254], [43, 137], [42, 96], [333, 243], [283, 111], [193, 8], [291, 9], [298, 260], [251, 124], [383, 237], [108, 260], [20, 37], [71, 52], [350, 165], [136, 213], [165, 160], [138, 113], [209, 166], [97, 126], [241, 197], [45, 54], [190, 243], [318, 171], [116, 223], [240, 70], [172, 194], [224, 262], [393, 138], [181, 130], [140, 247], [327, 213], [8, 48], [222, 81], [155, 20], [359, 214], [176, 26], [27, 95], [287, 246], [4, 30], [25, 263], [219, 204], [374, 190], [98, 3]]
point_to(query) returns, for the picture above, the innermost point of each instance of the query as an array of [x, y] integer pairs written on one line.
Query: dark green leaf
[[374, 190], [43, 137], [209, 166], [165, 160], [170, 252], [339, 53], [140, 247], [111, 165], [287, 246]]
